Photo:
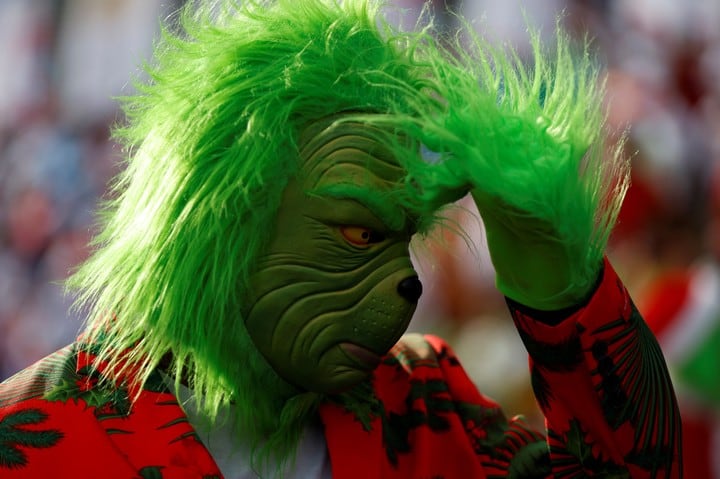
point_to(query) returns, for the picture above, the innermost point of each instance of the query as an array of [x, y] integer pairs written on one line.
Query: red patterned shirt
[[598, 376]]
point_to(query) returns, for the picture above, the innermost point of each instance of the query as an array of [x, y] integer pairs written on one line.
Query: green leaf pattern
[[14, 436]]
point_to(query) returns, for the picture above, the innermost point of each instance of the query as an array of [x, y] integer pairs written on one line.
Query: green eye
[[361, 236]]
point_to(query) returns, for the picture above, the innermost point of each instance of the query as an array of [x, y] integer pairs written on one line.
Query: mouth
[[363, 357]]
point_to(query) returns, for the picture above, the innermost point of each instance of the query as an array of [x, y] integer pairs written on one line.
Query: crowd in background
[[64, 61]]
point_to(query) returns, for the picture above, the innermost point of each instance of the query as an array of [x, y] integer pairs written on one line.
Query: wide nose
[[410, 288]]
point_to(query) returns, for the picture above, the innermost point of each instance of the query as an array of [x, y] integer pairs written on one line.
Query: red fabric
[[597, 375], [94, 441], [605, 389], [422, 386]]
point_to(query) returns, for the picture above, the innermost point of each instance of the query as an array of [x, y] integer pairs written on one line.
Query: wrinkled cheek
[[266, 326], [260, 326]]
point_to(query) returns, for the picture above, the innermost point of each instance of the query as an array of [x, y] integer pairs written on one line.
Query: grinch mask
[[335, 288]]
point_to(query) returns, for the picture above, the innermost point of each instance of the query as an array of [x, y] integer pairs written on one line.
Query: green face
[[335, 289]]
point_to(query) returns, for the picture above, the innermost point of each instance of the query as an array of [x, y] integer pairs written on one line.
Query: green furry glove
[[532, 264], [528, 143]]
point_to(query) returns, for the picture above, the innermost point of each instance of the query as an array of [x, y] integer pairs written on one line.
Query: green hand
[[532, 264]]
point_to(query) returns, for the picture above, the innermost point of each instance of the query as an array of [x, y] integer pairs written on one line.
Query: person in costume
[[251, 284]]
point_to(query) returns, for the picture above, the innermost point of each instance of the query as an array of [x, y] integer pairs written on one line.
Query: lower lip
[[363, 356]]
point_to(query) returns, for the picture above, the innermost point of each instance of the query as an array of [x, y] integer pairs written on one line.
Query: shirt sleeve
[[601, 381]]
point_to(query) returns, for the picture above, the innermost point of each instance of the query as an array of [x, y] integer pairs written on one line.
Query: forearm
[[601, 381]]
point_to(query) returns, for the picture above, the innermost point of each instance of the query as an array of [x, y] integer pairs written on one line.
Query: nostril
[[410, 288]]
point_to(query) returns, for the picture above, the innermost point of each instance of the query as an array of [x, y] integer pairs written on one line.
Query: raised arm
[[528, 143], [600, 379]]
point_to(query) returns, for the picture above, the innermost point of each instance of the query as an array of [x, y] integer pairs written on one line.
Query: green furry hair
[[211, 142]]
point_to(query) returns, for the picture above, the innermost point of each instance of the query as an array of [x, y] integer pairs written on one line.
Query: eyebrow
[[379, 204]]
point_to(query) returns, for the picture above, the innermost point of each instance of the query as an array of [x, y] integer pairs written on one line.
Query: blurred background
[[63, 62]]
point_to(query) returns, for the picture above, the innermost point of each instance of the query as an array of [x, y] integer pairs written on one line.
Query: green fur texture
[[211, 141], [529, 142]]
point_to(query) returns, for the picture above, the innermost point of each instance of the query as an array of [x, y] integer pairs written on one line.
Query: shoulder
[[45, 421], [61, 417], [39, 379]]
